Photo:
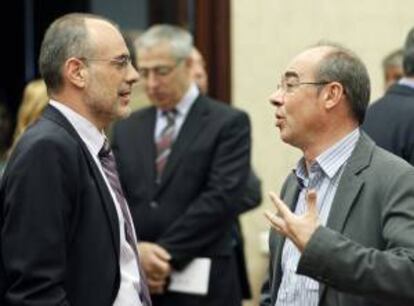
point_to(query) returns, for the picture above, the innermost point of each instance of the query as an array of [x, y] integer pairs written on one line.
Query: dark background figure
[[390, 120], [6, 125], [186, 209]]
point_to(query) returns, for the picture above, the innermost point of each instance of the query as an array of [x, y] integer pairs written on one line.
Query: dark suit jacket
[[59, 228], [192, 210], [365, 254], [390, 122]]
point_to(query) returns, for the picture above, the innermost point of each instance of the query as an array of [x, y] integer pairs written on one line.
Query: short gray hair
[[344, 66], [179, 39], [66, 37]]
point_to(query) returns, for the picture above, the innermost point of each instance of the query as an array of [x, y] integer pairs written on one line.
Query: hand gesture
[[299, 229]]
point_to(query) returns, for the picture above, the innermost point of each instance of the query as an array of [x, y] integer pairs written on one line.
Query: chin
[[123, 112]]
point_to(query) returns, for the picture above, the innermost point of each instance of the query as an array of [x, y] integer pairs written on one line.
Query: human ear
[[75, 72], [333, 93]]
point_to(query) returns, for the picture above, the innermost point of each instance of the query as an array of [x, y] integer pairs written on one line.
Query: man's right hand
[[155, 262]]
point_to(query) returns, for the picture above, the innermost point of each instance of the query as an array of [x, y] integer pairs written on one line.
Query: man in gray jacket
[[347, 210]]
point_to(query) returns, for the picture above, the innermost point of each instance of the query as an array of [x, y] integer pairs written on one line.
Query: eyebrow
[[291, 74]]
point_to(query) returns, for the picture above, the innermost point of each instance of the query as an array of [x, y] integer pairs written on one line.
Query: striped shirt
[[324, 175]]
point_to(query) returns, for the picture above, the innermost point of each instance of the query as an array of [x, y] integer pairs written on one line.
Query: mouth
[[125, 97], [279, 120]]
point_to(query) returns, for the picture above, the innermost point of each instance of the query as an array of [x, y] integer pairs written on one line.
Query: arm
[[215, 209], [34, 225], [384, 274]]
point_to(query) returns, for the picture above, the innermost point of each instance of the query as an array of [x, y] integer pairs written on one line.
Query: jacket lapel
[[350, 185], [189, 130], [289, 195], [54, 115]]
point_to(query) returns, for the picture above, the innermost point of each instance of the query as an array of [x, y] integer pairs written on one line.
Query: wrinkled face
[[110, 74], [165, 78], [297, 100]]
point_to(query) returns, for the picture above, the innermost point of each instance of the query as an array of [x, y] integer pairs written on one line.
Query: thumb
[[311, 200]]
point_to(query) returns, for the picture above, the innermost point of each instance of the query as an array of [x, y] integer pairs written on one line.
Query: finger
[[161, 252], [311, 200], [276, 222], [281, 207], [160, 266]]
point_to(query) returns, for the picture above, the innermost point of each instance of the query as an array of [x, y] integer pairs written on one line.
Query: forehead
[[156, 55], [106, 38], [305, 64]]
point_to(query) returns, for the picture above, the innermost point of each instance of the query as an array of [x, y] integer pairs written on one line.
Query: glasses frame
[[121, 62], [158, 70], [290, 88]]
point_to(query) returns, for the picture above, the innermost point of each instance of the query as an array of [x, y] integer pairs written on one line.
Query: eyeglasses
[[159, 71], [289, 85], [120, 62]]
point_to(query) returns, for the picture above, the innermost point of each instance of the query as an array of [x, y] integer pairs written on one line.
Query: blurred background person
[[390, 120], [33, 103], [253, 194], [184, 164], [199, 71], [392, 66]]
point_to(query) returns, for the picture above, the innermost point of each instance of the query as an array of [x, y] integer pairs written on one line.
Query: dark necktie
[[107, 160], [165, 141]]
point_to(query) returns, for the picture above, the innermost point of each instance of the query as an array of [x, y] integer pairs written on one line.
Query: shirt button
[[154, 204]]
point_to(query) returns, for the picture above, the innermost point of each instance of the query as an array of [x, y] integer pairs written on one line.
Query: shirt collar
[[88, 132], [332, 159]]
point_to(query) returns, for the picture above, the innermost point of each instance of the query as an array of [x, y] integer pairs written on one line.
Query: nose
[[133, 75], [276, 98], [151, 80]]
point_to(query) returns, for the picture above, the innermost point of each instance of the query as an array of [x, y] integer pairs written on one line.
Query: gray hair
[[408, 61], [179, 39], [66, 37], [344, 66]]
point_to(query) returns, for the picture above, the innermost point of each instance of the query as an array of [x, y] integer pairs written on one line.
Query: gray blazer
[[365, 254]]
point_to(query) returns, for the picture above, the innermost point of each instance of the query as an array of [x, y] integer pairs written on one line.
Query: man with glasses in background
[[342, 231], [184, 163]]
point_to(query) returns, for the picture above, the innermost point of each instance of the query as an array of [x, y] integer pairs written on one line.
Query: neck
[[78, 106], [324, 141]]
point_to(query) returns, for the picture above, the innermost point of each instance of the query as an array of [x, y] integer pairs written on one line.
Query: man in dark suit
[[64, 221], [390, 120], [253, 194], [184, 176], [347, 210]]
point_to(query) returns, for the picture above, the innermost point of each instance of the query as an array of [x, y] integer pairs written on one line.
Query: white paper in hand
[[193, 279]]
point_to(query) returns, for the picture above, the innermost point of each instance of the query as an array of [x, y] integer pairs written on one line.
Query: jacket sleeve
[[384, 274], [35, 207]]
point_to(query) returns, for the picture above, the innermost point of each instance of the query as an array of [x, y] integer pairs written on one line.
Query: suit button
[[154, 204]]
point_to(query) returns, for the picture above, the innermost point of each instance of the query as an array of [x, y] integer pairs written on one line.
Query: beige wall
[[266, 34]]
